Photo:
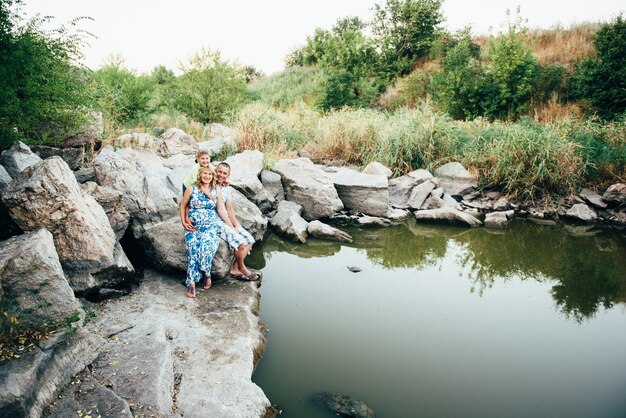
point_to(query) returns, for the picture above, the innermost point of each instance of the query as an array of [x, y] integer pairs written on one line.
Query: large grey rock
[[32, 382], [373, 221], [84, 175], [447, 215], [169, 254], [47, 195], [273, 184], [321, 230], [195, 357], [5, 178], [33, 281], [245, 168], [398, 214], [176, 141], [592, 198], [433, 202], [112, 202], [581, 212], [90, 397], [400, 188], [615, 194], [288, 222], [498, 220], [365, 193], [420, 193], [344, 405], [74, 157], [217, 130], [378, 169], [114, 171], [455, 179], [17, 158], [137, 140], [310, 187]]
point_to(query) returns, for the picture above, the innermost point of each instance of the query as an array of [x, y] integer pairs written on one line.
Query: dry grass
[[554, 110]]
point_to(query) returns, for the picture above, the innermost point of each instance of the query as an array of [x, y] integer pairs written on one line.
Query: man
[[234, 234]]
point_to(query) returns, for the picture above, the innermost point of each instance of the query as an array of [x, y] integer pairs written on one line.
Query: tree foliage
[[404, 31], [602, 80], [43, 95], [210, 87]]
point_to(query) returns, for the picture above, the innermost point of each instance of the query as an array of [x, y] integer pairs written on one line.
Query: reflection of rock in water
[[344, 405]]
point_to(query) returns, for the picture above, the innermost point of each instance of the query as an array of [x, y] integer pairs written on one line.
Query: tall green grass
[[290, 87], [524, 159]]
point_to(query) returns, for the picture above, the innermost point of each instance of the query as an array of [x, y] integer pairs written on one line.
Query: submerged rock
[[344, 405]]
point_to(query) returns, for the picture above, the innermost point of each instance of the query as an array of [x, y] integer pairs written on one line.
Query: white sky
[[147, 33]]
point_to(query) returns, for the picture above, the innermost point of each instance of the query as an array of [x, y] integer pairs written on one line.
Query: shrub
[[293, 85], [209, 87], [602, 80], [43, 95]]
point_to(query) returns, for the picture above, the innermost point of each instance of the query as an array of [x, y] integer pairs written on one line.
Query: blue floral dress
[[202, 243]]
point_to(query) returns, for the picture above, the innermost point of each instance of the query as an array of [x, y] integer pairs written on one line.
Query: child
[[203, 159]]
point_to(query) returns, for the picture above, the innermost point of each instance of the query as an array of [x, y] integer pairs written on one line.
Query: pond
[[448, 322]]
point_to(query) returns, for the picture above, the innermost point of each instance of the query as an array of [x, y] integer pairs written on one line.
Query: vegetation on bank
[[534, 112]]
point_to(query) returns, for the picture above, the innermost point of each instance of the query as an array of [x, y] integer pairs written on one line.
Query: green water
[[448, 322]]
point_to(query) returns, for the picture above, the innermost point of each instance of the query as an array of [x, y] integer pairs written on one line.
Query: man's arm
[[231, 214]]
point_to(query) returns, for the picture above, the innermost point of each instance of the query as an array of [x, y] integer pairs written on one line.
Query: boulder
[[32, 281], [176, 141], [217, 130], [112, 202], [273, 184], [433, 202], [47, 195], [5, 178], [169, 254], [74, 157], [455, 179], [245, 168], [321, 230], [502, 204], [137, 140], [449, 201], [364, 193], [377, 169], [593, 198], [373, 221], [420, 193], [344, 405], [84, 175], [17, 158], [447, 215], [615, 194], [582, 213], [310, 187], [498, 220], [288, 222], [32, 382], [400, 188], [397, 214], [114, 171]]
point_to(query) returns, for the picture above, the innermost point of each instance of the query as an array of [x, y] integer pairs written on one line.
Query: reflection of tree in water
[[590, 268], [399, 247]]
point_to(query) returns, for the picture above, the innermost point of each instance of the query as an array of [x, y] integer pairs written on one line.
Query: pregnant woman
[[202, 231]]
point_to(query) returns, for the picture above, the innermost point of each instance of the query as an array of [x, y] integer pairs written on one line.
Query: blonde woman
[[201, 229]]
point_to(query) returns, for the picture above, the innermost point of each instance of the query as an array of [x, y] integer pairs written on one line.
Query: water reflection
[[586, 265]]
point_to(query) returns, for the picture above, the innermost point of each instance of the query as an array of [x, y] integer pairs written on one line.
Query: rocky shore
[[96, 253]]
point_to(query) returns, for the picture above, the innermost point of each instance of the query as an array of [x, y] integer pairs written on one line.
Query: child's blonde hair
[[199, 178], [202, 152]]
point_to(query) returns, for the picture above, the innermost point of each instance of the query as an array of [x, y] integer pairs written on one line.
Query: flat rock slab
[[447, 215], [168, 355]]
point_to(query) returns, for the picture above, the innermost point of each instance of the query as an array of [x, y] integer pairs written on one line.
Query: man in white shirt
[[234, 234]]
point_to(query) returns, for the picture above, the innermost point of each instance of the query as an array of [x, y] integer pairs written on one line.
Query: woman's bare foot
[[191, 292], [207, 283]]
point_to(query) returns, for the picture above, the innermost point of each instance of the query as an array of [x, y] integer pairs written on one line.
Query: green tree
[[43, 95], [123, 95], [404, 31], [513, 71], [210, 87], [602, 80]]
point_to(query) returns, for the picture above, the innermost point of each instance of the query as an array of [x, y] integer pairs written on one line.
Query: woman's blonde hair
[[199, 178]]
